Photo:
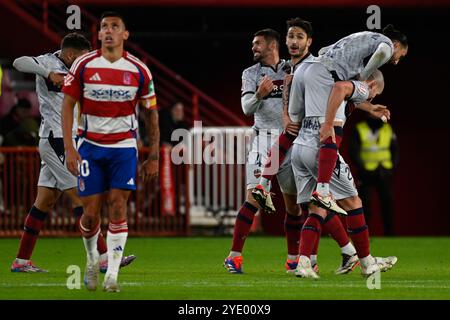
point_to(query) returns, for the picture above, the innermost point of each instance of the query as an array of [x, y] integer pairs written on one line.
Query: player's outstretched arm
[[150, 168], [376, 110], [72, 155], [379, 57]]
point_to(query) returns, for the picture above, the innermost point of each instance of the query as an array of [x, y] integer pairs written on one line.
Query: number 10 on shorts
[[84, 168]]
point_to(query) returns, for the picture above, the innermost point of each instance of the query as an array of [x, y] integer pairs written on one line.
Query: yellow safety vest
[[375, 147]]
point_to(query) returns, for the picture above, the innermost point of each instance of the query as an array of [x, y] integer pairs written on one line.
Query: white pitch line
[[391, 284], [58, 284]]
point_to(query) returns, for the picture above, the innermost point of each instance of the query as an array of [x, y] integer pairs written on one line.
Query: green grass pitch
[[191, 268]]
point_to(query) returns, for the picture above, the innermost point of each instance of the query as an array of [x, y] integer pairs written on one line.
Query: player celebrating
[[298, 41], [54, 178], [262, 86], [304, 160], [344, 60], [108, 83]]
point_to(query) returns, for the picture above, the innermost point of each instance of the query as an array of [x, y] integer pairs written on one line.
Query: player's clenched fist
[[72, 160], [265, 88]]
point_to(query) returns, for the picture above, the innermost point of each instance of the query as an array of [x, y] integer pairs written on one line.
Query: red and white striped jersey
[[108, 93]]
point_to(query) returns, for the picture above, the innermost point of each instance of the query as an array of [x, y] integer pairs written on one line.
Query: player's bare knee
[[350, 203], [317, 210], [293, 209], [90, 222], [46, 199], [290, 203], [74, 198]]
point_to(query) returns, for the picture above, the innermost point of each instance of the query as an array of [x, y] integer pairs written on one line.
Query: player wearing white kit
[[345, 60], [262, 87], [298, 40], [305, 105], [54, 178]]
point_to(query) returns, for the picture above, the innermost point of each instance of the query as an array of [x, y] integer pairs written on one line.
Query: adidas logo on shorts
[[131, 182]]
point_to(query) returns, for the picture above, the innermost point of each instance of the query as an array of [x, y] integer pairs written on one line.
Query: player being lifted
[[345, 61], [391, 46], [298, 41], [54, 178], [108, 83], [308, 101]]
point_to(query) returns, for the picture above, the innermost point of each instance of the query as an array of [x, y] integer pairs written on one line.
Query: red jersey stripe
[[107, 109], [110, 138]]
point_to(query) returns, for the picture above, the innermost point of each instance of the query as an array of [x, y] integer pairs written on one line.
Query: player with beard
[[298, 40]]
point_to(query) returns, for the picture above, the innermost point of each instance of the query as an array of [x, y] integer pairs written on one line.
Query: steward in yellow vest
[[374, 150], [375, 146]]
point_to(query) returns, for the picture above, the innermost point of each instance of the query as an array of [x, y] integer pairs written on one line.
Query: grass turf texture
[[191, 268]]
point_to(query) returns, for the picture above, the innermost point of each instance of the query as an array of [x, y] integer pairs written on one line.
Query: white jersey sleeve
[[360, 92]]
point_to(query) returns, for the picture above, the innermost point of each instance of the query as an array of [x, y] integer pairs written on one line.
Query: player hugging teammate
[[320, 90]]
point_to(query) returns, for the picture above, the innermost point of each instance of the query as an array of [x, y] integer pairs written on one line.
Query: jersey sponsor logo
[[95, 77], [277, 91], [109, 94]]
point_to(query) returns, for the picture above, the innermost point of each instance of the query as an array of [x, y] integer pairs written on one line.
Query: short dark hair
[[298, 22], [113, 14], [395, 35], [269, 35], [75, 41]]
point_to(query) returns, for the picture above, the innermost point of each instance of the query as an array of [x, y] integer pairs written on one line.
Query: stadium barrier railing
[[217, 182], [19, 172]]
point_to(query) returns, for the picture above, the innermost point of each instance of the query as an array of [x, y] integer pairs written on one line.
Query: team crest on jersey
[[81, 184], [127, 78], [257, 173]]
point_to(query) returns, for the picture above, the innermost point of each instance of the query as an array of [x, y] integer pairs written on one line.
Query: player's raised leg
[[328, 155], [279, 149]]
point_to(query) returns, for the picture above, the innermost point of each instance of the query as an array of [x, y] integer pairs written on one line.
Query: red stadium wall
[[415, 93]]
